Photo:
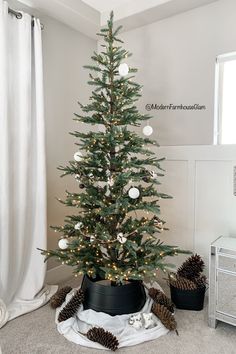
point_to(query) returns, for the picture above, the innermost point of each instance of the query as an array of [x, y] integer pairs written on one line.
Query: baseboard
[[58, 274]]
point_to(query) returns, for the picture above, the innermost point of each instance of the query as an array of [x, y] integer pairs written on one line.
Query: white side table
[[222, 281]]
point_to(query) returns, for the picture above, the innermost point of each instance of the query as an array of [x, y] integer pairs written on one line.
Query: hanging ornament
[[147, 130], [78, 156], [78, 225], [153, 174], [81, 185], [121, 238], [134, 193], [90, 175], [63, 243], [108, 192], [92, 238], [110, 181], [123, 69]]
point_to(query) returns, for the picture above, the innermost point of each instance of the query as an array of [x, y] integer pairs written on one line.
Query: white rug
[[118, 325]]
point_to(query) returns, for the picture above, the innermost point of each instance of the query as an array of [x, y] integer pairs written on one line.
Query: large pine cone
[[59, 297], [165, 316], [159, 297], [72, 306], [201, 281], [182, 283], [191, 268], [105, 338]]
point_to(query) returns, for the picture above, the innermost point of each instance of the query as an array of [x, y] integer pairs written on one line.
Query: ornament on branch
[[78, 156], [110, 181], [123, 69], [147, 130], [78, 225], [158, 223], [92, 238], [153, 174], [121, 238], [63, 243], [108, 192], [59, 297], [134, 193], [81, 186]]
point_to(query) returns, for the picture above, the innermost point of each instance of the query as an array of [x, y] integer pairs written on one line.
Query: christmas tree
[[114, 232]]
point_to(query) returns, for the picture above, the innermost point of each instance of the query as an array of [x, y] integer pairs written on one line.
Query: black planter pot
[[113, 300], [188, 299]]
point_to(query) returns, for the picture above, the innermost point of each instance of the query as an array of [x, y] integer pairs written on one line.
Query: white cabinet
[[222, 283]]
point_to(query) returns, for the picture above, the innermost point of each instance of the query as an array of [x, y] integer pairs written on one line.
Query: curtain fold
[[22, 167]]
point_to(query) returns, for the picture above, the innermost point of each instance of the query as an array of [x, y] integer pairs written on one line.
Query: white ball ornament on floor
[[63, 243], [78, 156], [123, 69], [147, 130], [134, 193]]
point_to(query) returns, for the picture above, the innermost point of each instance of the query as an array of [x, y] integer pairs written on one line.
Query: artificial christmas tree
[[118, 179]]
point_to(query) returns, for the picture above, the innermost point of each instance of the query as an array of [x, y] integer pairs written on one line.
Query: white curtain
[[22, 167]]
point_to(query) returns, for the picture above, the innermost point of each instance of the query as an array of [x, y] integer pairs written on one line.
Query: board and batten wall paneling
[[215, 204], [200, 179]]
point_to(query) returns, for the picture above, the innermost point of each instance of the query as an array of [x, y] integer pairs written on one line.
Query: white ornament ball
[[63, 243], [92, 238], [148, 130], [78, 156], [134, 193], [121, 238], [78, 225], [123, 69]]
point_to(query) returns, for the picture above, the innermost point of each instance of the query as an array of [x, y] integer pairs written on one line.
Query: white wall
[[176, 62], [65, 51]]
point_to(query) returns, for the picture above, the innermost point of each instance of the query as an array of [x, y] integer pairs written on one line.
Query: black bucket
[[188, 299], [113, 300]]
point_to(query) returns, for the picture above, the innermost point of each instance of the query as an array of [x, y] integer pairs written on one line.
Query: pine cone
[[182, 283], [201, 281], [191, 268], [105, 338], [165, 316], [72, 306], [159, 297], [59, 297]]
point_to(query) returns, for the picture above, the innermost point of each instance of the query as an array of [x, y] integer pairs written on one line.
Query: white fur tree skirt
[[118, 325]]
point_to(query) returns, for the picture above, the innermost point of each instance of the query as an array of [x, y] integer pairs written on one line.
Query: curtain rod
[[18, 15]]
